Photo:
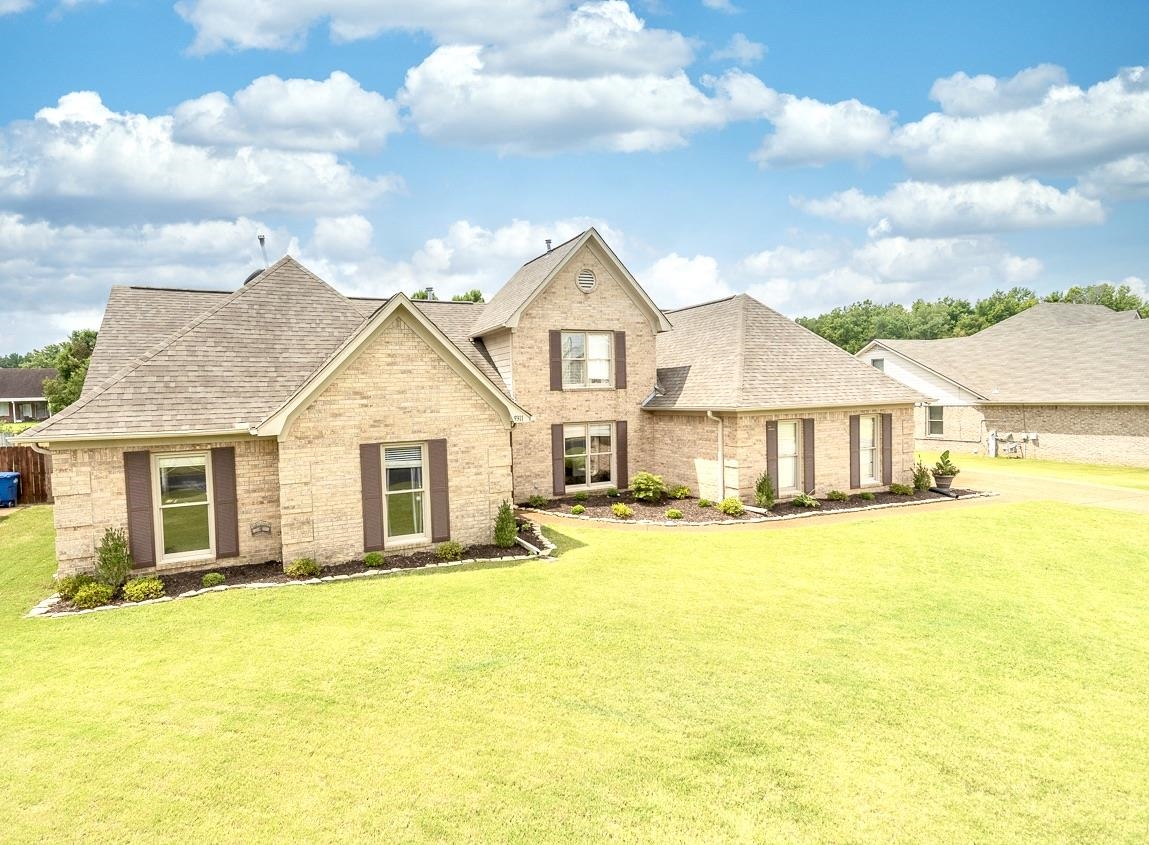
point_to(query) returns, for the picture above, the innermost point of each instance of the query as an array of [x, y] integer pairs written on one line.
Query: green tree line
[[69, 359], [853, 326]]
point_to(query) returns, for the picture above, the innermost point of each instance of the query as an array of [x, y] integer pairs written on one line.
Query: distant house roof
[[738, 354], [1052, 353], [24, 382]]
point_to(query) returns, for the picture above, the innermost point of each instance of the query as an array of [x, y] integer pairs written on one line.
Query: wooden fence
[[35, 473]]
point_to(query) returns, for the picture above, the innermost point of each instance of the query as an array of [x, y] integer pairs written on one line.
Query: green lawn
[[1136, 478], [955, 675]]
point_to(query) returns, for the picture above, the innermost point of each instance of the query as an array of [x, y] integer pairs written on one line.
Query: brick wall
[[398, 389], [609, 307], [1083, 433], [88, 484], [962, 430]]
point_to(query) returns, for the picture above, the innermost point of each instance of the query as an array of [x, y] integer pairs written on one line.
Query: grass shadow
[[563, 542]]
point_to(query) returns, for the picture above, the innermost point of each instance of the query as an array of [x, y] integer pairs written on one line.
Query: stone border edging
[[678, 523]]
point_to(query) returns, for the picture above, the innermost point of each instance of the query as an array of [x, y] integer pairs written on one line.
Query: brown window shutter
[[772, 451], [440, 494], [141, 517], [855, 451], [887, 448], [371, 490], [556, 360], [558, 463], [621, 455], [620, 360], [224, 500], [808, 454]]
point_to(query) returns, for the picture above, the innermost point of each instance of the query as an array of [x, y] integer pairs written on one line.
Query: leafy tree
[[473, 295], [996, 307], [420, 294], [43, 357], [71, 364], [1119, 298], [13, 359]]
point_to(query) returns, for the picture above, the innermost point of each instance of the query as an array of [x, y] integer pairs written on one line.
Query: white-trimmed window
[[184, 517], [588, 454], [588, 359], [868, 429], [935, 426], [878, 363], [405, 500], [789, 456]]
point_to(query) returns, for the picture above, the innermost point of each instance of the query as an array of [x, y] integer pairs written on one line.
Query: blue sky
[[810, 157]]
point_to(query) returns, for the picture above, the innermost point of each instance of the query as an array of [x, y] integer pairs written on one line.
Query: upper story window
[[587, 359], [879, 363]]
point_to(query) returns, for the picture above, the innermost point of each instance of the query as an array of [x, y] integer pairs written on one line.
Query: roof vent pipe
[[548, 244], [430, 291], [263, 247]]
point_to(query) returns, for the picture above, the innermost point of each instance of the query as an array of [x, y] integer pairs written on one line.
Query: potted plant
[[944, 471]]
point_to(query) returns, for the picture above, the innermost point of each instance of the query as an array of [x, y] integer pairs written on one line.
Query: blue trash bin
[[9, 486]]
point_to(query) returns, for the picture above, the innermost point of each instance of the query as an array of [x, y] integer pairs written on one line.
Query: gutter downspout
[[710, 415]]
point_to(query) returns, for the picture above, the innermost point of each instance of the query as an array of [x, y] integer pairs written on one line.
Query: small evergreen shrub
[[922, 479], [705, 503], [213, 579], [680, 492], [901, 489], [622, 510], [612, 492], [142, 589], [805, 500], [578, 510], [506, 529], [450, 550], [69, 584], [732, 506], [647, 487], [764, 493], [836, 496], [867, 496], [373, 559], [304, 567], [113, 560], [581, 496], [537, 501], [674, 513], [92, 595]]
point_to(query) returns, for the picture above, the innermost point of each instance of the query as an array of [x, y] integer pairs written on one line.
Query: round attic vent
[[586, 281]]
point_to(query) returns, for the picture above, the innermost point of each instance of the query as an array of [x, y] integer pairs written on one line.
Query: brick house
[[22, 393], [284, 420], [1058, 381]]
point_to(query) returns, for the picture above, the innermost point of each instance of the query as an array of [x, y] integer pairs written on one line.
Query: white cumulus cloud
[[968, 96], [741, 49], [811, 132], [676, 280]]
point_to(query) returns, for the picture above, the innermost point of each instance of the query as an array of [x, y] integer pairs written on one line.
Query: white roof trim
[[917, 363]]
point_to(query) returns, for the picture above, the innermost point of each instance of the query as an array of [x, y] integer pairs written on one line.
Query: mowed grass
[[1135, 478], [953, 675]]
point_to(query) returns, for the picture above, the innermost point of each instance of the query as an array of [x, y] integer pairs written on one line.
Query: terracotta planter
[[943, 482]]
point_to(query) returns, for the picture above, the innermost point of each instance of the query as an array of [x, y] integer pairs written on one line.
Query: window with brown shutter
[[772, 452], [141, 517], [855, 451], [808, 453], [556, 356], [440, 493], [371, 491], [620, 362], [887, 445], [621, 457], [558, 464], [224, 500]]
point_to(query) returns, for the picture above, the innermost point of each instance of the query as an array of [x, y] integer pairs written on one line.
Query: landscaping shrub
[[373, 559], [901, 489], [674, 513], [578, 510], [764, 493], [647, 487], [836, 496], [866, 496], [113, 560], [581, 496], [805, 500], [622, 510], [142, 589], [705, 503], [679, 492], [732, 506], [537, 501], [612, 492], [450, 550], [945, 466], [92, 595], [304, 567], [922, 479], [213, 579], [69, 584], [506, 529]]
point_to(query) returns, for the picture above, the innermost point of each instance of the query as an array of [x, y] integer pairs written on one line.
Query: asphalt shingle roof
[[1051, 353], [24, 382], [738, 354], [520, 287]]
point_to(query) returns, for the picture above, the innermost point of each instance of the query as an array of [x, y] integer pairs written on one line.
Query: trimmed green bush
[[213, 579], [647, 487], [622, 510], [304, 567], [143, 589], [578, 510], [450, 550], [537, 501], [705, 503], [836, 496], [732, 506], [92, 595], [113, 560], [674, 513], [373, 559], [69, 584], [867, 496], [581, 496], [901, 489], [680, 492], [922, 480], [764, 493], [506, 530], [612, 492], [805, 500]]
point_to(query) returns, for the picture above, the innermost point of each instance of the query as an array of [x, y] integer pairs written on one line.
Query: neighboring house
[[284, 420], [1057, 381], [22, 393]]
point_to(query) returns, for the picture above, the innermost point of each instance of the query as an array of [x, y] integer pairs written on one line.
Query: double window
[[588, 453], [934, 424], [789, 456], [184, 511], [405, 500], [868, 433], [587, 359]]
